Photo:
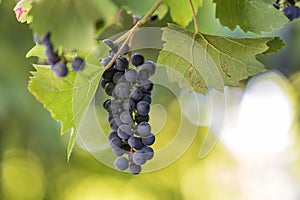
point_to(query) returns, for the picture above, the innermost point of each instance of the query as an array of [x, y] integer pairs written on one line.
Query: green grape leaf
[[71, 22], [181, 12], [254, 16], [136, 7], [211, 61], [274, 45], [68, 98], [36, 51]]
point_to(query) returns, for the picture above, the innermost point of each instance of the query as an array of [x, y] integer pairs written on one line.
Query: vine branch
[[194, 16], [131, 32]]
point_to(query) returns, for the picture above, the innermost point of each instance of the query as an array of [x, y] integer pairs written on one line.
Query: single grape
[[118, 151], [118, 77], [291, 12], [105, 60], [124, 50], [141, 118], [136, 94], [106, 105], [143, 75], [112, 135], [121, 64], [148, 152], [121, 163], [60, 69], [143, 108], [103, 82], [122, 90], [146, 86], [131, 75], [135, 142], [147, 97], [116, 142], [135, 169], [109, 74], [116, 107], [150, 67], [137, 59], [78, 64], [129, 105], [115, 123], [108, 42], [139, 157], [124, 131], [149, 140], [144, 129], [109, 88], [126, 117]]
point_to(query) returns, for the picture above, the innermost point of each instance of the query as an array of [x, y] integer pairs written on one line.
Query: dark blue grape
[[122, 90], [115, 123], [149, 140], [124, 131], [60, 69], [116, 107], [109, 74], [146, 86], [116, 142], [108, 42], [126, 117], [103, 82], [139, 157], [118, 77], [78, 64], [129, 105], [136, 94], [148, 152], [118, 151], [121, 64], [147, 97], [135, 169], [144, 129], [112, 135], [137, 59], [131, 75], [291, 12], [135, 142], [109, 88], [143, 75], [121, 163], [153, 18], [124, 50], [150, 67], [106, 105], [143, 108], [105, 60], [45, 40]]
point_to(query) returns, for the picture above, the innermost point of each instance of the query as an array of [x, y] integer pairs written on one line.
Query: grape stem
[[194, 17], [129, 34]]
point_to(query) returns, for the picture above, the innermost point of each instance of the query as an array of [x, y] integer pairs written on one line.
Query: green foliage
[[233, 58], [135, 7], [72, 23], [181, 12], [254, 16]]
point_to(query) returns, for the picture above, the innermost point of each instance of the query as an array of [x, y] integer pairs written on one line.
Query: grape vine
[[203, 60]]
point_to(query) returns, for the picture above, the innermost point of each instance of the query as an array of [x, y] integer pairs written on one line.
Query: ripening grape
[[143, 108], [144, 129], [139, 157], [78, 64], [60, 69], [121, 163], [150, 67], [121, 64], [148, 140], [131, 75], [292, 12], [135, 169]]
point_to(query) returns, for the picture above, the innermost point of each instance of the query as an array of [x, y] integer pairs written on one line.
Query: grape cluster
[[58, 63], [128, 108]]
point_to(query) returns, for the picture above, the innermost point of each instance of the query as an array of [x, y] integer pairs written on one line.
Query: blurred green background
[[33, 162]]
